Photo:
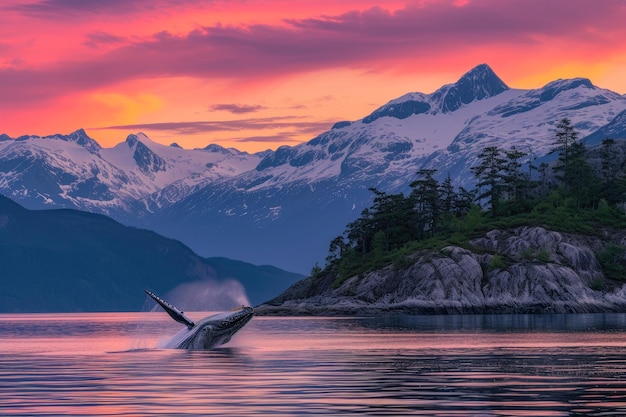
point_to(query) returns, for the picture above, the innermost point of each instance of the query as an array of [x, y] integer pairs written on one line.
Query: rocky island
[[525, 270]]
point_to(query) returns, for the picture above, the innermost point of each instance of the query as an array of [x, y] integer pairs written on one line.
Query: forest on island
[[570, 194]]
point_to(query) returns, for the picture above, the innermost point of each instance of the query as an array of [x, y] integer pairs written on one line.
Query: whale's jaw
[[207, 333]]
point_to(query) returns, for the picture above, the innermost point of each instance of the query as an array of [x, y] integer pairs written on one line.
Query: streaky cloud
[[293, 123], [99, 38], [71, 9], [237, 108], [285, 138]]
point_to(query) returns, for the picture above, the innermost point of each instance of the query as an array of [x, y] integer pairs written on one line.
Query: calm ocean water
[[110, 365]]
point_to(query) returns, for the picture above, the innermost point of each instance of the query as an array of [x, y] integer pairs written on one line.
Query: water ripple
[[314, 367]]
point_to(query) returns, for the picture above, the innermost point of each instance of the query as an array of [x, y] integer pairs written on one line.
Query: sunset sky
[[256, 74]]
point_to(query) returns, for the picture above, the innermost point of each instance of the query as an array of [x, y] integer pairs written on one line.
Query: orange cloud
[[133, 63]]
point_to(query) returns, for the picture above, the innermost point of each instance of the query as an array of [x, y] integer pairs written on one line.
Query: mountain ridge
[[282, 207], [69, 260]]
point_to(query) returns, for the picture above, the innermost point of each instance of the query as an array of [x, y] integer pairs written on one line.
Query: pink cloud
[[292, 123], [285, 138], [99, 38], [236, 108], [374, 39], [70, 9]]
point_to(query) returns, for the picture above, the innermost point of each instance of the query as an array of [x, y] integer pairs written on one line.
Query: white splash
[[208, 295]]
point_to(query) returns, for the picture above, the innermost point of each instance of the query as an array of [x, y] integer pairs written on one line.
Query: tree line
[[508, 184]]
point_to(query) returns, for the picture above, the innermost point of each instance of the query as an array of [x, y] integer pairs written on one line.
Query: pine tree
[[516, 182], [464, 201], [336, 251], [543, 178], [425, 195], [360, 232], [490, 175], [612, 182], [391, 214], [608, 167], [446, 191], [447, 197], [566, 138]]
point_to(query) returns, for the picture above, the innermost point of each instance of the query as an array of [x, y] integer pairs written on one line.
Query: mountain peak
[[81, 138], [215, 148], [132, 140], [482, 81], [480, 71], [141, 137], [478, 83], [147, 161], [553, 88]]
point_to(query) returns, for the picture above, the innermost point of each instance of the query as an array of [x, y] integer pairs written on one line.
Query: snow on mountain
[[190, 170], [174, 172], [615, 129], [61, 171], [164, 165], [394, 137], [74, 171], [527, 121]]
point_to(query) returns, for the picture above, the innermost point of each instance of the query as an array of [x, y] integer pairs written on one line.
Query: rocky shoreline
[[527, 270]]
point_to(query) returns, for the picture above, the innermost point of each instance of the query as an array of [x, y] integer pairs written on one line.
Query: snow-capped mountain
[[392, 139], [527, 121], [75, 171], [298, 198], [284, 207]]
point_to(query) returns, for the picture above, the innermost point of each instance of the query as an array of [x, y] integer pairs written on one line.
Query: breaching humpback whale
[[207, 333]]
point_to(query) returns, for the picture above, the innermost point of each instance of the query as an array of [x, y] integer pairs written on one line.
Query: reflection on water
[[107, 364]]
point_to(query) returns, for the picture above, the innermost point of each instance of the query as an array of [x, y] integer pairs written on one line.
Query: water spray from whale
[[207, 333]]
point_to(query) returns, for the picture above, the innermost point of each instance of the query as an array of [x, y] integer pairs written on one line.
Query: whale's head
[[216, 330]]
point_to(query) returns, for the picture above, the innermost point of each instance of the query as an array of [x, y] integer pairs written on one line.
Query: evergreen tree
[[613, 185], [446, 191], [336, 251], [464, 201], [608, 163], [360, 232], [566, 138], [575, 174], [543, 178], [490, 176], [447, 198], [391, 214], [425, 195], [516, 182]]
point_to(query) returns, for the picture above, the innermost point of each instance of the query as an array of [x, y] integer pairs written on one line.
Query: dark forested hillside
[[68, 260]]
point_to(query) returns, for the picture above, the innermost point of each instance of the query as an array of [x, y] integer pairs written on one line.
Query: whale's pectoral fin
[[174, 313]]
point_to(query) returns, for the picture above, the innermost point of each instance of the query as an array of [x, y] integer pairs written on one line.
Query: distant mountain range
[[283, 207], [69, 260]]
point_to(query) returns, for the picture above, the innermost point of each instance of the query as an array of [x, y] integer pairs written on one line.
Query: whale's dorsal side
[[174, 313]]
